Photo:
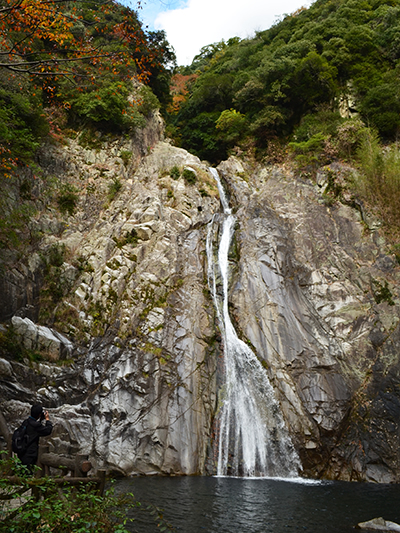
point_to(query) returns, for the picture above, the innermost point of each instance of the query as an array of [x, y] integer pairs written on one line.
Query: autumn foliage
[[50, 37], [78, 56], [180, 90]]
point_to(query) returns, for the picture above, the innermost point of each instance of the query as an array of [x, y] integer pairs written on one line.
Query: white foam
[[298, 480]]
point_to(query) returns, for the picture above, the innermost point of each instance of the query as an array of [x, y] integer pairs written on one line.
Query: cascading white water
[[253, 439]]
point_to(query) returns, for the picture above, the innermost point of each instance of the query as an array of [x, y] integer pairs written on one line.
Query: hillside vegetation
[[70, 64], [324, 79], [68, 69], [338, 54]]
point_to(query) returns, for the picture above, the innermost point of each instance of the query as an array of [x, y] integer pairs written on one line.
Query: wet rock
[[379, 524]]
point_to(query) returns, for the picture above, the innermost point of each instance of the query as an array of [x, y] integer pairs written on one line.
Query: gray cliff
[[131, 350]]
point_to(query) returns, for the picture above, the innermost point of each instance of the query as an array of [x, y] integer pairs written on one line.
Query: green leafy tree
[[381, 105], [231, 125]]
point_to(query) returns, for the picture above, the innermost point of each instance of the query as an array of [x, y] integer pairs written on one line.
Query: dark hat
[[36, 411]]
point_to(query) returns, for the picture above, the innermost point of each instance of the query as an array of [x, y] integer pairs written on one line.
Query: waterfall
[[253, 439]]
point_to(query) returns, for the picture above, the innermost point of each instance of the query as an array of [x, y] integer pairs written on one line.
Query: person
[[35, 429]]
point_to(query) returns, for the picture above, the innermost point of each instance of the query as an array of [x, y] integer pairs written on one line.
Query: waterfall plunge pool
[[260, 505]]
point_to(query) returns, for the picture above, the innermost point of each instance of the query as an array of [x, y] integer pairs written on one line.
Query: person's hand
[[46, 415]]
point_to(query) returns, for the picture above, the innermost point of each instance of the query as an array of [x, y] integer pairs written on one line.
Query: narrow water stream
[[251, 434]]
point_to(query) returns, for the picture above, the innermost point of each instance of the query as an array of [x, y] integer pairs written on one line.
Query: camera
[[43, 415]]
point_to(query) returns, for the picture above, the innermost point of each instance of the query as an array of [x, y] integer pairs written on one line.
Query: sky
[[192, 24]]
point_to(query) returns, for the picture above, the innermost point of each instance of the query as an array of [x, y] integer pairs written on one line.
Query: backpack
[[20, 440]]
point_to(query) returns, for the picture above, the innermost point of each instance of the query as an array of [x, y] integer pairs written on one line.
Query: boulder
[[379, 524], [47, 341]]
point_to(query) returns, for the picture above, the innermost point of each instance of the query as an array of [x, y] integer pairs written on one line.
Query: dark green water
[[240, 505]]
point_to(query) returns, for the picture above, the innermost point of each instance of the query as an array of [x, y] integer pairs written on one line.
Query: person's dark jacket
[[35, 429]]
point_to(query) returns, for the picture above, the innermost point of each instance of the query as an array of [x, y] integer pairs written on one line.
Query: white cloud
[[203, 22]]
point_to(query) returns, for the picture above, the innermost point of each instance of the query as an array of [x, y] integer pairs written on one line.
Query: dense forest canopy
[[337, 56]]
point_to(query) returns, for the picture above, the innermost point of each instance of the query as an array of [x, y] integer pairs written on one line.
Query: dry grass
[[379, 181]]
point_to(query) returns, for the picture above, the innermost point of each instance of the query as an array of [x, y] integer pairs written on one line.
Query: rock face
[[313, 290], [310, 297], [141, 396]]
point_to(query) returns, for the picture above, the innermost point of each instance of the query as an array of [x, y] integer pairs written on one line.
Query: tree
[[180, 89], [381, 105], [49, 38], [309, 59], [231, 125], [161, 65]]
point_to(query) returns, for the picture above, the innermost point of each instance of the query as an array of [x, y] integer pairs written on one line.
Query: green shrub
[[381, 106], [231, 125], [86, 267], [382, 292], [113, 188], [379, 178], [90, 139], [148, 101], [189, 176], [55, 255], [25, 189], [126, 156], [22, 124], [324, 121], [349, 135], [196, 132], [68, 509], [130, 237], [108, 107], [175, 173], [308, 152], [11, 347], [312, 144], [333, 190], [14, 220], [67, 199], [55, 286]]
